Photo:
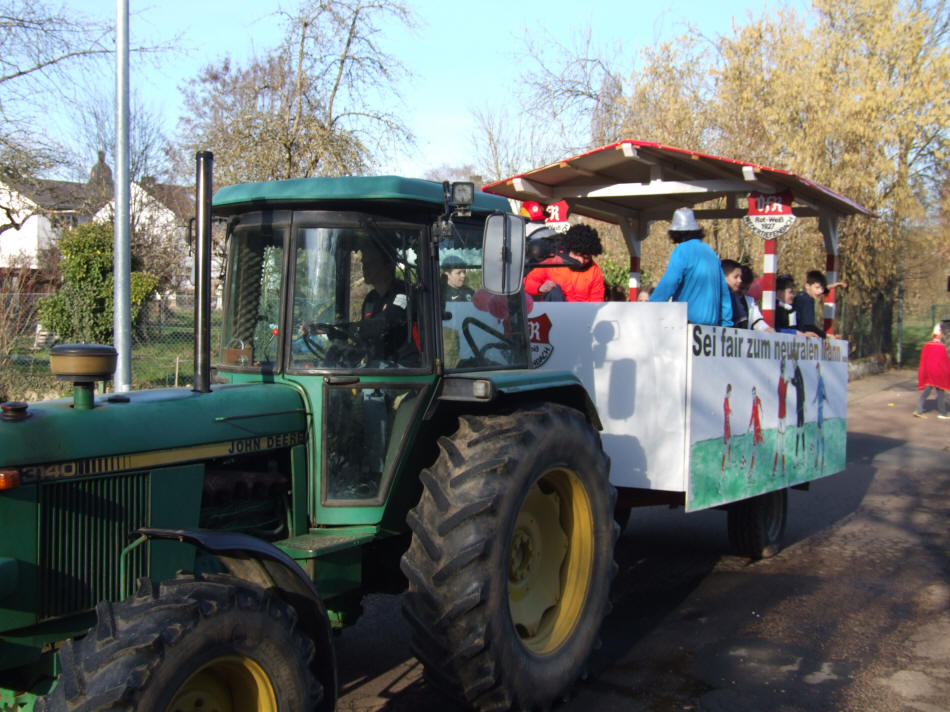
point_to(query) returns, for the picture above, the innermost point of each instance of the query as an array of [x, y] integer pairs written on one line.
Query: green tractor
[[372, 425]]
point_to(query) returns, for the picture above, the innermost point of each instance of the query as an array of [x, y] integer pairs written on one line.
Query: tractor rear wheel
[[188, 645], [511, 557]]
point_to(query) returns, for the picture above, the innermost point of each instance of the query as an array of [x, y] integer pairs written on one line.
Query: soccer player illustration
[[726, 431], [780, 434], [799, 384], [755, 422], [820, 397]]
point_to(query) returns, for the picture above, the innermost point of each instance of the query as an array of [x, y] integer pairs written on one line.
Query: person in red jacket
[[933, 372], [573, 269]]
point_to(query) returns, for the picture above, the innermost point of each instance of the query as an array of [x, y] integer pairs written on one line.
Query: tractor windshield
[[353, 293], [356, 295], [328, 290]]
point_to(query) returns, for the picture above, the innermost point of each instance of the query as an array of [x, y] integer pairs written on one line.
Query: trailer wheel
[[190, 644], [511, 557], [757, 525]]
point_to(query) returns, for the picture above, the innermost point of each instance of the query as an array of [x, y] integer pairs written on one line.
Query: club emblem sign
[[769, 215], [556, 218], [539, 330]]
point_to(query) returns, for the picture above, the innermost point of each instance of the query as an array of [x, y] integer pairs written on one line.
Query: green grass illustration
[[748, 469]]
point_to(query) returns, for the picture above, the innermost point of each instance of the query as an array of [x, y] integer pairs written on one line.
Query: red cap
[[532, 210]]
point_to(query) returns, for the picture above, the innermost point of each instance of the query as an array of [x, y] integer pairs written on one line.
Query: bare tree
[[38, 46], [306, 108], [37, 42], [94, 131], [574, 89], [567, 102]]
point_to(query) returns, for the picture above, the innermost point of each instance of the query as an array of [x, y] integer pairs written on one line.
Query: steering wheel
[[504, 343], [342, 332], [345, 349]]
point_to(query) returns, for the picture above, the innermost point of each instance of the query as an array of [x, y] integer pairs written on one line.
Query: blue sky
[[463, 56]]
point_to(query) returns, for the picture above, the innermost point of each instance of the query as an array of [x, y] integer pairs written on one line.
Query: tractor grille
[[84, 527]]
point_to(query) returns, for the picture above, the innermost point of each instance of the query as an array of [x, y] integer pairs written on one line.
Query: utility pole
[[122, 313]]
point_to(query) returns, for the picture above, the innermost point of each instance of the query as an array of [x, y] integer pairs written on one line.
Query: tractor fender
[[251, 559], [516, 387]]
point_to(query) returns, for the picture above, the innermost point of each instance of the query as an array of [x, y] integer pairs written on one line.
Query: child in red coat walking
[[934, 372]]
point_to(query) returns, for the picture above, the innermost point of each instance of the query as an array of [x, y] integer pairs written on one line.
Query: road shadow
[[662, 556], [863, 448]]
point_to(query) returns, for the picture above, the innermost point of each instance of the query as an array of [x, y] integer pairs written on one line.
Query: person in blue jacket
[[694, 275]]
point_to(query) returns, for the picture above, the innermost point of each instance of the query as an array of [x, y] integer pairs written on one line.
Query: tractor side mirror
[[503, 244]]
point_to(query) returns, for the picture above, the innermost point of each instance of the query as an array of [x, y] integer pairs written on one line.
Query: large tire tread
[[452, 597], [117, 662]]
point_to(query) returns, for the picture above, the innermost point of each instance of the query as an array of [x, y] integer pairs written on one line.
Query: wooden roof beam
[[532, 188], [653, 188]]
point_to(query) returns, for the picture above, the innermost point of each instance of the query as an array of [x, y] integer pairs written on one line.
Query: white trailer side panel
[[677, 404], [632, 358]]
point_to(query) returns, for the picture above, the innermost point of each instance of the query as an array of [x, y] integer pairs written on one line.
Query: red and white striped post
[[634, 283], [831, 274], [634, 232], [768, 282], [828, 225]]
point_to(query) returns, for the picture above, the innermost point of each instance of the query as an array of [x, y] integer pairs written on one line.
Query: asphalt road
[[854, 613]]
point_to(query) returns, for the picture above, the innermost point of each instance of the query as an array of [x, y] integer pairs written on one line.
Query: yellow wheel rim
[[227, 684], [551, 557]]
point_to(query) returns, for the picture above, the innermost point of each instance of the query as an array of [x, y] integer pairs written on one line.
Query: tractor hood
[[147, 429]]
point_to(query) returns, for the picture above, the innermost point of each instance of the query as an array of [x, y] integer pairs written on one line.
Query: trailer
[[694, 415]]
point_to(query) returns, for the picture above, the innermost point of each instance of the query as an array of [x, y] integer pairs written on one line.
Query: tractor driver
[[383, 325]]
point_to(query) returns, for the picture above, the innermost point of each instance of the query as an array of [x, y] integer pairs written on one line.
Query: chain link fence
[[163, 346]]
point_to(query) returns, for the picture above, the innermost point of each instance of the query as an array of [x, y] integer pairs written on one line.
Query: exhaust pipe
[[204, 162]]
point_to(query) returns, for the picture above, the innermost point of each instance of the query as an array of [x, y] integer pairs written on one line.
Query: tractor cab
[[362, 293], [390, 283]]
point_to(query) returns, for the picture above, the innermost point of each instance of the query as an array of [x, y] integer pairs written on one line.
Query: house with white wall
[[38, 210]]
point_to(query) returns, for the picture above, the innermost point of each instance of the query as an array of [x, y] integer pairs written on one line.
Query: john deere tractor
[[366, 426]]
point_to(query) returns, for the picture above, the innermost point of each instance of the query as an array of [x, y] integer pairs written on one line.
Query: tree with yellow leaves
[[853, 95]]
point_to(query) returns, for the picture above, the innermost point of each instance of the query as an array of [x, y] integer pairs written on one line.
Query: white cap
[[683, 221]]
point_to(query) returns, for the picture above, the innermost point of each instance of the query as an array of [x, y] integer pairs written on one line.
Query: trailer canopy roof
[[645, 181]]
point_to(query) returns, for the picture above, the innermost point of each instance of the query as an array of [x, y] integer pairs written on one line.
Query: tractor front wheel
[[188, 645]]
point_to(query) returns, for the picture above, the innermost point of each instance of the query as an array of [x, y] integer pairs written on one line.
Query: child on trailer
[[756, 320], [786, 317], [745, 312], [732, 272], [816, 286]]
